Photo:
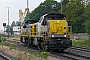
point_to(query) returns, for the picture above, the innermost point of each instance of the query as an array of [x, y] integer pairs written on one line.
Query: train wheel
[[30, 42], [43, 47], [61, 50], [23, 39]]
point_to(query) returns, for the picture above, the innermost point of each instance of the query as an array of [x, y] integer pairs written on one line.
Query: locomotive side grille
[[24, 32]]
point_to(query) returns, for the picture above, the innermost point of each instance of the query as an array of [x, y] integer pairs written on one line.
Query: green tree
[[27, 16], [11, 28], [86, 15], [13, 23], [88, 27], [8, 30], [74, 13], [50, 0], [65, 2], [48, 6], [18, 23]]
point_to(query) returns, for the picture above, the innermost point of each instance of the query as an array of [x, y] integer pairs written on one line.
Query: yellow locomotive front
[[58, 28], [57, 33]]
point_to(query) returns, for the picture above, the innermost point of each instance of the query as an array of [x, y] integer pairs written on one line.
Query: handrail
[[70, 31]]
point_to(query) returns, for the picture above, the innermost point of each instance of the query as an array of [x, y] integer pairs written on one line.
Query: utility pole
[[8, 15], [61, 6], [8, 22], [27, 4], [26, 9]]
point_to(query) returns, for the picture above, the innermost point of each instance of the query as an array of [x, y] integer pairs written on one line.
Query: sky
[[15, 6]]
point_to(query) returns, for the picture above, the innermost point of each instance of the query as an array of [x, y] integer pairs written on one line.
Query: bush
[[0, 39], [82, 42], [88, 27], [44, 54]]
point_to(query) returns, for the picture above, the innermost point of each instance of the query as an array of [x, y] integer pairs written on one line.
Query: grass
[[81, 42], [34, 53], [12, 46], [40, 54], [44, 54], [15, 36]]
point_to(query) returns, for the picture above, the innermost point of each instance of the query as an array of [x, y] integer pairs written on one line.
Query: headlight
[[65, 35], [41, 36], [52, 35]]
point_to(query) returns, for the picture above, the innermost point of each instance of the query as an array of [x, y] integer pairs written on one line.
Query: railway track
[[3, 57], [82, 53], [72, 54], [80, 48]]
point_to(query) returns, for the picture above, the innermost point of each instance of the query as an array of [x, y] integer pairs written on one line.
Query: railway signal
[[4, 24]]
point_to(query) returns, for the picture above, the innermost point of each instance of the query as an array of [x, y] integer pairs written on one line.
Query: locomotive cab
[[55, 31]]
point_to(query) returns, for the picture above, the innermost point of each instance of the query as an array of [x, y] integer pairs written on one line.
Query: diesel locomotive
[[50, 32]]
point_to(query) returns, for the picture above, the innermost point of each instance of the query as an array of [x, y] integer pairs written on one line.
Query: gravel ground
[[57, 57]]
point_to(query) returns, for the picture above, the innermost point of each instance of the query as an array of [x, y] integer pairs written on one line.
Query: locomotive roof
[[54, 15], [30, 21], [59, 16]]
